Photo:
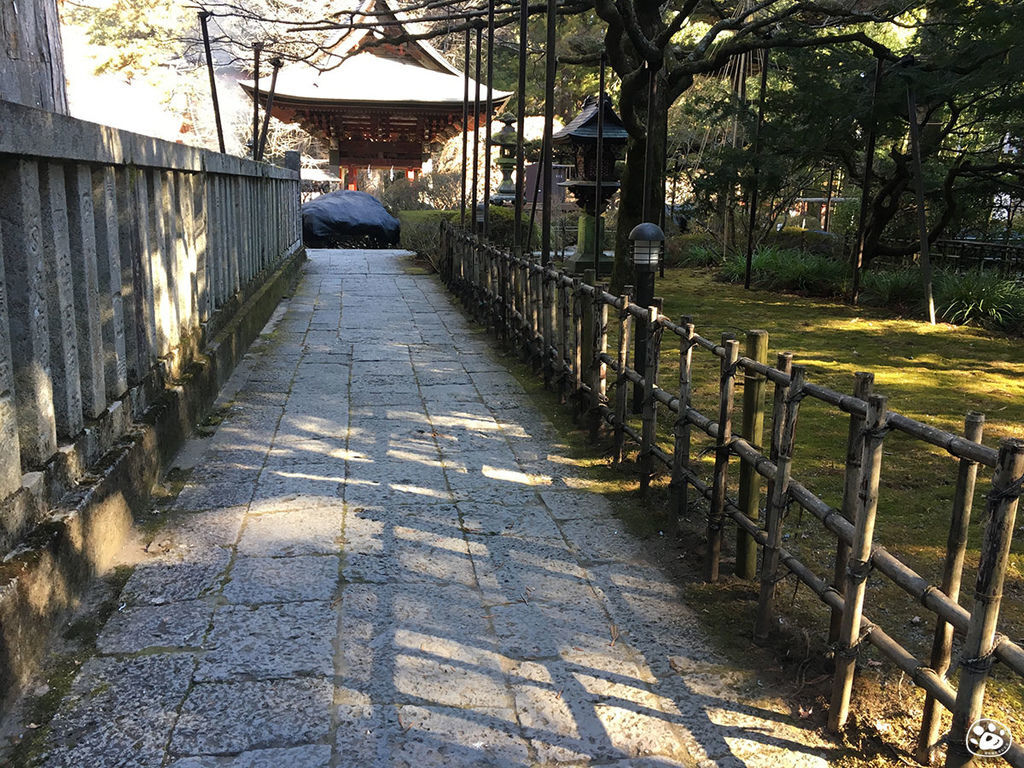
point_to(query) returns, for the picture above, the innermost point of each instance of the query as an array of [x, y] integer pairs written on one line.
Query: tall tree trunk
[[631, 192]]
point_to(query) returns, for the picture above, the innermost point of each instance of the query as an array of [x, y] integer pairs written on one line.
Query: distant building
[[377, 105]]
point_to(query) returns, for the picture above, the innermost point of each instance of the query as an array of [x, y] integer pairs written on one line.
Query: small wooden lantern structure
[[579, 140]]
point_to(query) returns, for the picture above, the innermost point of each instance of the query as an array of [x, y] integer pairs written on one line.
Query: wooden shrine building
[[377, 106]]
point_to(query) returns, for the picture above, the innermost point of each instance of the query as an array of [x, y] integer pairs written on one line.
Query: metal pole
[[257, 48], [524, 18], [598, 181], [476, 131], [465, 127], [490, 106], [648, 156], [752, 221], [922, 221], [547, 160], [828, 199], [203, 17], [536, 194], [276, 64], [858, 248], [644, 277]]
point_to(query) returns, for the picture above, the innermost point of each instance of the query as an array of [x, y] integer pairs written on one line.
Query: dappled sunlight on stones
[[434, 737], [380, 562], [301, 531], [309, 756]]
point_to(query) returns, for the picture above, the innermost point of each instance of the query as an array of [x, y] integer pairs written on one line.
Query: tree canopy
[[700, 60]]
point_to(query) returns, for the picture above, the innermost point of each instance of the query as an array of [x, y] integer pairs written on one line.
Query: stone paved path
[[379, 560]]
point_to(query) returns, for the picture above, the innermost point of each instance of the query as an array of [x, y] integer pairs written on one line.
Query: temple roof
[[352, 71], [366, 77], [584, 125]]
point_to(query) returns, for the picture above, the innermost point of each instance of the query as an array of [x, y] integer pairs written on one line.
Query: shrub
[[813, 240], [899, 287], [691, 250], [980, 297], [976, 297], [790, 270], [421, 230]]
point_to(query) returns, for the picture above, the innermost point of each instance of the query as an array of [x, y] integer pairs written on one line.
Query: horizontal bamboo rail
[[583, 358]]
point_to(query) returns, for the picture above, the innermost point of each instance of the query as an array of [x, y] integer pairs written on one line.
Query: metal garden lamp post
[[648, 242]]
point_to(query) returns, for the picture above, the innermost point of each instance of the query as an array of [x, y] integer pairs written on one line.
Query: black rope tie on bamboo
[[878, 432], [980, 665], [1011, 491], [931, 588], [858, 570], [796, 397], [729, 372], [838, 649]]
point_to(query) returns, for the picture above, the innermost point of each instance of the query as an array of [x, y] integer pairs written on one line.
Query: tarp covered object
[[348, 219]]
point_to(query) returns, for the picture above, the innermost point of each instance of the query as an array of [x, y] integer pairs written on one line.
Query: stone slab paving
[[380, 561]]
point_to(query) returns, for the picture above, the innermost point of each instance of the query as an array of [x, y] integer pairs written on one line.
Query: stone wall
[[133, 274], [31, 55]]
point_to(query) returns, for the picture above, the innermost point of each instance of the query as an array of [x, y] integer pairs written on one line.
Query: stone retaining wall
[[133, 274]]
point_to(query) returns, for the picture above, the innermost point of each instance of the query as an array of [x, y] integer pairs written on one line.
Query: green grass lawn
[[935, 374]]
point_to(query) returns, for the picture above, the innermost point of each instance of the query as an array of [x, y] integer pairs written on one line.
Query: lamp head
[[648, 241]]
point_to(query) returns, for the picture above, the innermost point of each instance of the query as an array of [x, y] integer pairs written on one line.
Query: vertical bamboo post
[[565, 350], [956, 546], [681, 428], [753, 432], [863, 385], [577, 339], [778, 498], [716, 514], [649, 415], [525, 326], [598, 368], [546, 328], [621, 388], [976, 656], [538, 315], [588, 307], [551, 345], [496, 302], [505, 283], [859, 564], [784, 363]]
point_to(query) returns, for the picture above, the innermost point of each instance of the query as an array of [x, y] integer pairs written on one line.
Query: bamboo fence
[[561, 323]]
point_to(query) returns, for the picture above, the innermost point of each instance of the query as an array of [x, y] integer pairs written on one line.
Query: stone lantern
[[578, 141], [506, 141]]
